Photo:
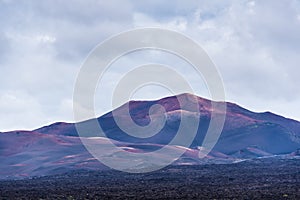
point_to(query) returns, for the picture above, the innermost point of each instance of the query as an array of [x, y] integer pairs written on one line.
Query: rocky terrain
[[271, 178]]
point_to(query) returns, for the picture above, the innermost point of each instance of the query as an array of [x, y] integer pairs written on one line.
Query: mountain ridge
[[237, 118], [57, 148]]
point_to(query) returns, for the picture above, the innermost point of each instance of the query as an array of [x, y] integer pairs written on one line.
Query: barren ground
[[258, 179]]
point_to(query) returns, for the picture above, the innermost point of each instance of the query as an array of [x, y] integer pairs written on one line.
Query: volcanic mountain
[[57, 148]]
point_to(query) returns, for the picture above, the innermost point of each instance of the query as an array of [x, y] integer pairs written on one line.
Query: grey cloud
[[255, 44], [4, 47]]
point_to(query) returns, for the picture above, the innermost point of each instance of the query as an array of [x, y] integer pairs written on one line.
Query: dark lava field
[[256, 179]]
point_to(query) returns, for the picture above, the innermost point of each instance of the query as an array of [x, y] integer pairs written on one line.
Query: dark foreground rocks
[[257, 179]]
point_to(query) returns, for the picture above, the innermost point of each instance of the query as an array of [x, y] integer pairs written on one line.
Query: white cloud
[[18, 109], [45, 38], [143, 20], [255, 44]]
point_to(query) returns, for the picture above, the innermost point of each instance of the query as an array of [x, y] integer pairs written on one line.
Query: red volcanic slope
[[57, 148]]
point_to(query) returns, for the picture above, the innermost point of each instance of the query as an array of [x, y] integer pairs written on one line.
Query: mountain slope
[[57, 148], [243, 128]]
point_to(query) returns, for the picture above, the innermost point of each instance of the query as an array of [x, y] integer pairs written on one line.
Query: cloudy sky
[[254, 44]]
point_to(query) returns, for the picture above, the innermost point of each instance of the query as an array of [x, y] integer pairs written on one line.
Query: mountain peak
[[246, 134]]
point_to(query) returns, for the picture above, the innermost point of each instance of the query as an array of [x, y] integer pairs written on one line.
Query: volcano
[[57, 148]]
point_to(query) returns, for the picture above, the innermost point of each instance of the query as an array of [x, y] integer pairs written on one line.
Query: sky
[[254, 44]]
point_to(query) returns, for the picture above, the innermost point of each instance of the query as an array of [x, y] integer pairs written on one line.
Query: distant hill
[[57, 148]]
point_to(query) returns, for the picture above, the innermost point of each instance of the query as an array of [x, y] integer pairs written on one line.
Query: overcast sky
[[254, 44]]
